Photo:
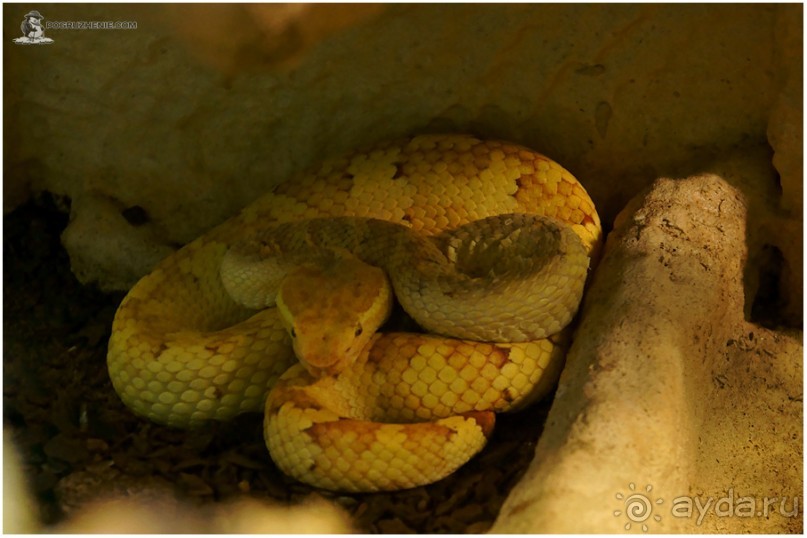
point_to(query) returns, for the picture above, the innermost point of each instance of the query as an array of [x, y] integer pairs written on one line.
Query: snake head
[[332, 312]]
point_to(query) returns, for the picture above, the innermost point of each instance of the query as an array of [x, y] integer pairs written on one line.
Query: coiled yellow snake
[[199, 338]]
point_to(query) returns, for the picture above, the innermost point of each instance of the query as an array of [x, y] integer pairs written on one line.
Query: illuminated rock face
[[160, 132], [198, 110], [669, 394]]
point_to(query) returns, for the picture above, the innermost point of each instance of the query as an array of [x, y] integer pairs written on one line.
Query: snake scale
[[407, 408]]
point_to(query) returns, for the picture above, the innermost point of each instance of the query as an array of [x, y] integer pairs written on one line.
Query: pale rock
[[20, 512], [667, 386], [132, 515], [202, 108], [99, 224]]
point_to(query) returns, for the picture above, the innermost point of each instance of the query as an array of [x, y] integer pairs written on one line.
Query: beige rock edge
[[154, 509], [667, 385]]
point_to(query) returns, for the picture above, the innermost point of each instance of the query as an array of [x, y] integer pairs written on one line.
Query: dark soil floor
[[76, 437]]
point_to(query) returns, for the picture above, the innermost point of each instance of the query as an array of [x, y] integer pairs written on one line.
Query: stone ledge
[[663, 378]]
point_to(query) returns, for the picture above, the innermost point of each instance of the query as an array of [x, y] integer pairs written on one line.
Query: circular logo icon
[[637, 507]]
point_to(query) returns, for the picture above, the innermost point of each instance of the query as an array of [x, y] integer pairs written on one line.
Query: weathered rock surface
[[189, 117], [163, 514], [667, 387]]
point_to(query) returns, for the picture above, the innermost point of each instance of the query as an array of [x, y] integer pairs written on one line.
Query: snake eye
[[359, 330], [293, 333]]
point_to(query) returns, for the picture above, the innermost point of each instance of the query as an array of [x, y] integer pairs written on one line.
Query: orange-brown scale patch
[[418, 434], [484, 419]]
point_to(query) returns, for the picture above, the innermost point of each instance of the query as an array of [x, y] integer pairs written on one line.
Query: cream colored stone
[[98, 226], [20, 512], [235, 38], [666, 385], [619, 94], [102, 500], [136, 515]]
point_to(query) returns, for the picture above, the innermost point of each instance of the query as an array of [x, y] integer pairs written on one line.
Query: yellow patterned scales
[[183, 351]]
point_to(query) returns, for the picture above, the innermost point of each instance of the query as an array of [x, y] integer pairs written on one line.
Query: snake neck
[[512, 277]]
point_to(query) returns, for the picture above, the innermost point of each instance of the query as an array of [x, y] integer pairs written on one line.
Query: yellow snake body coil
[[183, 351]]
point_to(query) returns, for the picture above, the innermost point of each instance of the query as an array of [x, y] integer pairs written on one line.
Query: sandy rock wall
[[669, 397], [158, 133]]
